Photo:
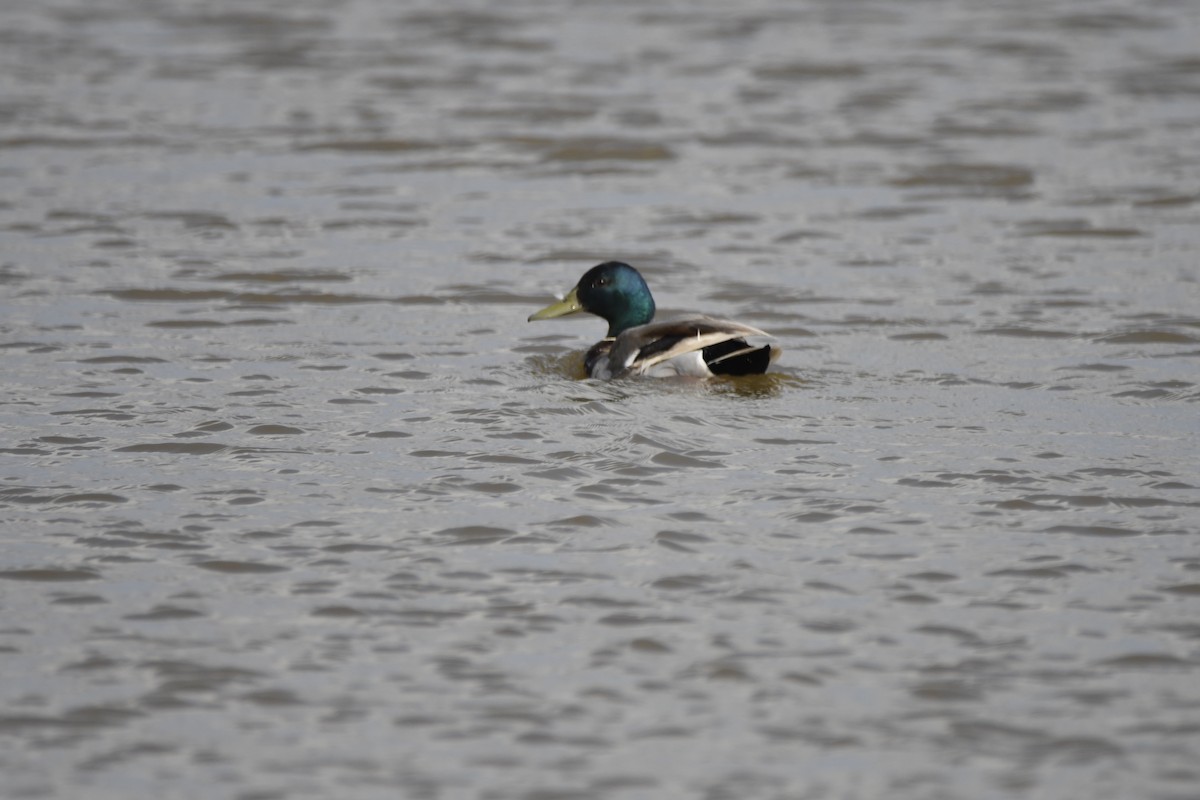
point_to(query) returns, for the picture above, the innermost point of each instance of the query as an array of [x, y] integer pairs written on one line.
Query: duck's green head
[[613, 291]]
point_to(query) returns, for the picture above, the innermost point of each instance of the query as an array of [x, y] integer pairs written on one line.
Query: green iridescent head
[[613, 291]]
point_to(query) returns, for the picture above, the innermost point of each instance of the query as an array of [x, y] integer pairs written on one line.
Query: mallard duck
[[635, 345]]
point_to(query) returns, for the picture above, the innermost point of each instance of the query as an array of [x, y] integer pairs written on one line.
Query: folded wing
[[700, 346]]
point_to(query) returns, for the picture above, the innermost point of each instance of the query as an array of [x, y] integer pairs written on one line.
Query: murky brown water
[[295, 503]]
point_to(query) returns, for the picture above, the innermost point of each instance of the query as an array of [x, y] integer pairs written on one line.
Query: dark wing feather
[[737, 357]]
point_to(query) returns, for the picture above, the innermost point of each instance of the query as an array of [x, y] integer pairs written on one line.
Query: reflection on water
[[294, 501]]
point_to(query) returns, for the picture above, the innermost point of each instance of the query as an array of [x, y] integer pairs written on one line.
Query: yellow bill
[[568, 305]]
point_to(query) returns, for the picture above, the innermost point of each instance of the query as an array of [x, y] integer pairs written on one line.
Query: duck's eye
[[602, 281]]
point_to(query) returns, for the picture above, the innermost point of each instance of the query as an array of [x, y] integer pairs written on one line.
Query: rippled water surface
[[295, 503]]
